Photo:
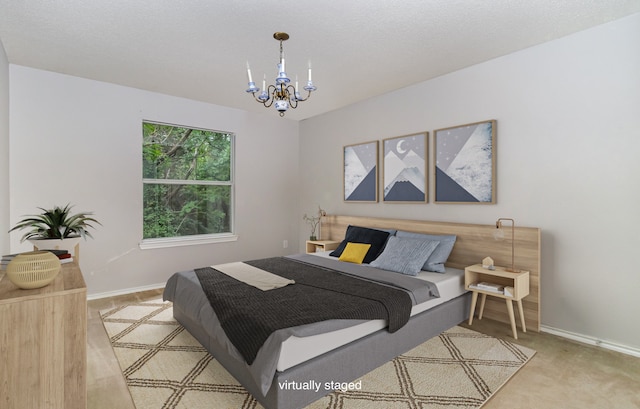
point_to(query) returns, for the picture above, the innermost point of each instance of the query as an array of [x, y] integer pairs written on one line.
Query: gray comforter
[[184, 289]]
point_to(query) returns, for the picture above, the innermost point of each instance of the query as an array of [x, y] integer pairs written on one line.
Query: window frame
[[196, 239]]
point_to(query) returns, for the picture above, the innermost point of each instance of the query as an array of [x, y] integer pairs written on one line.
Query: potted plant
[[52, 227], [313, 222]]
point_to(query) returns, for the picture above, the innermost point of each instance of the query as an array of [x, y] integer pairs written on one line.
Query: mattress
[[296, 350]]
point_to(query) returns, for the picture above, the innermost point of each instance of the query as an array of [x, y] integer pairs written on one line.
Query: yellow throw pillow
[[354, 252]]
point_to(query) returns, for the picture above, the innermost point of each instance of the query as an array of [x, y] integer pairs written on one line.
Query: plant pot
[[312, 238], [71, 244]]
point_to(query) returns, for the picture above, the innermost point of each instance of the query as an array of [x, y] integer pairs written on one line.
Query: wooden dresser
[[43, 343]]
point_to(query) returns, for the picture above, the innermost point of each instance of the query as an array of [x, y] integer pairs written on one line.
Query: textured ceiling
[[198, 49]]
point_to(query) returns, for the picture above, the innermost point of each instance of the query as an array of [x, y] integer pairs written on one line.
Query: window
[[187, 177]]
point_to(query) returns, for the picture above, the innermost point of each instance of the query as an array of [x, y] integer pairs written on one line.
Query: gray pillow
[[440, 255], [404, 255]]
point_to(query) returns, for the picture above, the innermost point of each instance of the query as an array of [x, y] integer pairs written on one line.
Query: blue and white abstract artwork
[[405, 168], [361, 172], [465, 163]]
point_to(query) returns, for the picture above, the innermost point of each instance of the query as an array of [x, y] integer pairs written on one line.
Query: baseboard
[[125, 291], [625, 349]]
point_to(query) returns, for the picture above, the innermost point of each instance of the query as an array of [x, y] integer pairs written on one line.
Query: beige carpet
[[165, 367]]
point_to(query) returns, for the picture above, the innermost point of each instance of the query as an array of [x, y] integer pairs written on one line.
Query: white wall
[[4, 151], [79, 141], [568, 143], [568, 115]]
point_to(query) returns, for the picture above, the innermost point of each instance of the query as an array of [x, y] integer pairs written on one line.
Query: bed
[[347, 349]]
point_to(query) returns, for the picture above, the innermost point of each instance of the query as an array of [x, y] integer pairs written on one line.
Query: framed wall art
[[361, 172], [405, 169], [465, 163]]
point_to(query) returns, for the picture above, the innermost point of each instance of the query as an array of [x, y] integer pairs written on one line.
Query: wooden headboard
[[474, 242]]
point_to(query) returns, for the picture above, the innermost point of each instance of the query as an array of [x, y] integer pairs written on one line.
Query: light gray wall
[[78, 141], [568, 115], [4, 151]]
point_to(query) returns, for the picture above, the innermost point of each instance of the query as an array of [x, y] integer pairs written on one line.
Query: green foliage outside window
[[187, 178]]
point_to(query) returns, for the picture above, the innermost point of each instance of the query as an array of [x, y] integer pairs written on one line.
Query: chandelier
[[282, 95]]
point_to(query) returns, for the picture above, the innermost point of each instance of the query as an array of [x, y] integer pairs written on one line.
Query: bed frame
[[344, 364], [359, 357]]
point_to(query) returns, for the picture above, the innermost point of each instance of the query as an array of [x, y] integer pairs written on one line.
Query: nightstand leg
[[474, 300], [521, 312], [483, 298], [512, 319]]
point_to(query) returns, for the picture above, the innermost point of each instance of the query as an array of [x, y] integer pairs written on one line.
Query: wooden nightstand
[[321, 245], [515, 286]]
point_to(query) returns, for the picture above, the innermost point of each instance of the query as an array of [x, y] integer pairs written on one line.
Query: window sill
[[185, 241]]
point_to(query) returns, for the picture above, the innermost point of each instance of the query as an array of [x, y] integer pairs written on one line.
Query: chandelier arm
[[255, 97], [267, 103], [306, 98], [271, 90], [290, 91]]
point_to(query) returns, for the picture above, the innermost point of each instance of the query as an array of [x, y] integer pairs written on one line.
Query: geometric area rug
[[166, 368]]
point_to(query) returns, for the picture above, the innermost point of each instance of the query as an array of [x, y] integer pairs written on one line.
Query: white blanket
[[253, 276]]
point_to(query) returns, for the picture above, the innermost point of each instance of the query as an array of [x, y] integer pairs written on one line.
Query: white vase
[[71, 244]]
